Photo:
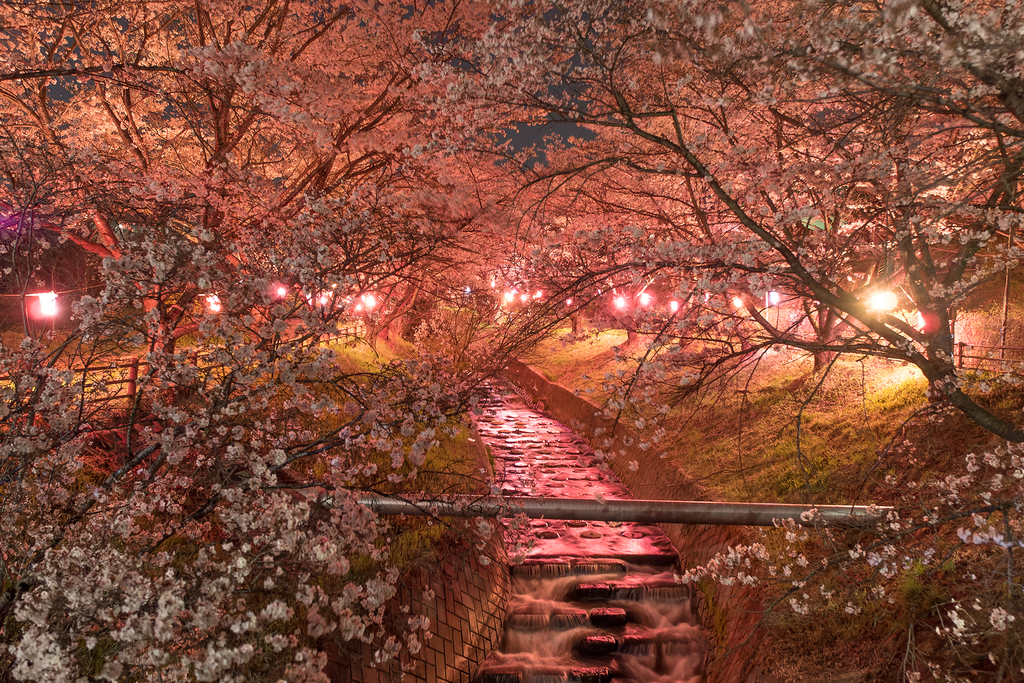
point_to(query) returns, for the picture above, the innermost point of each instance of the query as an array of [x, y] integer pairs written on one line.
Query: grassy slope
[[739, 438]]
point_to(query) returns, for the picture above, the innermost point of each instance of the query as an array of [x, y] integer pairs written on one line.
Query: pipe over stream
[[643, 511]]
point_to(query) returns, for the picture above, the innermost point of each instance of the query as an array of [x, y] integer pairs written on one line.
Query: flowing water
[[593, 602]]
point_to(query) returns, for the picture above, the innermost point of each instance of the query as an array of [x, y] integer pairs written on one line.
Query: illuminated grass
[[739, 438], [580, 361]]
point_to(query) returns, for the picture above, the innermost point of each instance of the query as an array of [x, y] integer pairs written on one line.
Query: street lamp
[[883, 300]]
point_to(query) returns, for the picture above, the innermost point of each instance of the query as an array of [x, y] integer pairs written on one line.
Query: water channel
[[593, 602]]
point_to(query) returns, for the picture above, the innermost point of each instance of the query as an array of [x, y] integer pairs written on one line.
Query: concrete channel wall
[[730, 614], [464, 599]]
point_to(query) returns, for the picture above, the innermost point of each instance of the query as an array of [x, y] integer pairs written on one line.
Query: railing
[[124, 371], [992, 358]]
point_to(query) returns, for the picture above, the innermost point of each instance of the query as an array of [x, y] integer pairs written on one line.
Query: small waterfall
[[592, 602]]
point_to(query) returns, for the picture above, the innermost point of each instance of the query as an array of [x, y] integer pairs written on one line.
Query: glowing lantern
[[673, 306], [772, 299], [538, 295], [510, 296], [213, 303], [323, 298], [281, 291], [883, 301], [737, 302], [47, 304], [645, 298], [620, 302], [369, 300], [568, 302], [524, 298]]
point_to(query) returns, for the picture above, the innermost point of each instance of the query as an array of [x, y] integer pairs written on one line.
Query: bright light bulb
[[213, 303], [524, 297], [48, 304], [737, 302], [645, 298], [673, 306], [538, 295], [773, 298], [370, 300], [620, 302], [568, 302], [510, 296], [883, 301]]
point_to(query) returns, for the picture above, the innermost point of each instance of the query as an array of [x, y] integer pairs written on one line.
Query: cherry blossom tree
[[715, 152], [823, 150], [251, 177]]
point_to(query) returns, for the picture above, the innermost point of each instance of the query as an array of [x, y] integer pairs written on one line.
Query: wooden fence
[[118, 378], [990, 358]]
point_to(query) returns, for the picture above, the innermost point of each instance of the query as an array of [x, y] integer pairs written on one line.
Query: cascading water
[[593, 602]]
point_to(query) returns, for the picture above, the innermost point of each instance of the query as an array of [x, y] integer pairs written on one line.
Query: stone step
[[630, 590], [548, 569]]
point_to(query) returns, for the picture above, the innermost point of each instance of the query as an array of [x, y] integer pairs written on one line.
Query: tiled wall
[[466, 613], [465, 601]]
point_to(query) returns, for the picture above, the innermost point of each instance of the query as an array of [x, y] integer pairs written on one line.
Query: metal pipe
[[645, 511]]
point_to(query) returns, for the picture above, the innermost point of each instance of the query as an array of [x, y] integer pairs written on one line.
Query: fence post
[[960, 355], [133, 377]]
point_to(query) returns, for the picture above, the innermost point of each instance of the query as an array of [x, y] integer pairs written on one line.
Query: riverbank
[[864, 432]]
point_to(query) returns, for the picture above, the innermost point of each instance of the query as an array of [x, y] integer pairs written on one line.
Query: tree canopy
[[249, 181], [824, 151], [245, 177]]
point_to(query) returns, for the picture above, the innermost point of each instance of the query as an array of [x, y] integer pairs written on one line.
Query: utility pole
[[1006, 296]]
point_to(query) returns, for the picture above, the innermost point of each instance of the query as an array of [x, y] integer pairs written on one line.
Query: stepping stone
[[596, 646], [591, 591], [608, 617]]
